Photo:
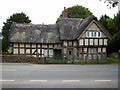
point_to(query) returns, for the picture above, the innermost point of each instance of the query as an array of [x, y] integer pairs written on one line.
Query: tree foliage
[[108, 23], [114, 45], [111, 3], [113, 26], [78, 12], [15, 18]]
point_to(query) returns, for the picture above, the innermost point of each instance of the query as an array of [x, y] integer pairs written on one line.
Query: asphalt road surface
[[59, 76]]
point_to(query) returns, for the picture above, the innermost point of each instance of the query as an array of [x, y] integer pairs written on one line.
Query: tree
[[117, 22], [113, 26], [103, 20], [78, 12], [111, 3], [114, 44], [15, 18], [108, 23]]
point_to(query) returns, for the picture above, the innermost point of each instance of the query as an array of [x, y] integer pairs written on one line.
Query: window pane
[[21, 51], [91, 41], [46, 52], [96, 34], [85, 50], [87, 34], [104, 49], [90, 34], [81, 42], [50, 52], [99, 50], [89, 50], [15, 51], [94, 50], [93, 34], [27, 51]]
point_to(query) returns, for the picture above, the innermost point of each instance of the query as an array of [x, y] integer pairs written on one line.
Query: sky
[[47, 11]]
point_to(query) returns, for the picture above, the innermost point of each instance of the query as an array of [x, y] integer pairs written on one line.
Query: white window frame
[[92, 50], [93, 34]]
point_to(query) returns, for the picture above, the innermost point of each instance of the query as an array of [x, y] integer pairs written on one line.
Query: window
[[92, 50], [104, 50], [93, 34], [45, 52], [27, 51], [81, 42], [50, 52], [21, 51], [15, 51], [105, 41], [85, 50]]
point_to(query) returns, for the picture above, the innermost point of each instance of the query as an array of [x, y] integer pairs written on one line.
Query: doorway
[[70, 54], [57, 53]]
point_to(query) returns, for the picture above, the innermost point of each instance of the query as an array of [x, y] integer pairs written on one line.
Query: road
[[59, 76]]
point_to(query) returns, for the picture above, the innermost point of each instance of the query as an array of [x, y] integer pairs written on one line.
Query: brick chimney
[[65, 13]]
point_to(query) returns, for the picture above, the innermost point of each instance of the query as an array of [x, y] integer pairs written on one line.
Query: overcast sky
[[47, 11]]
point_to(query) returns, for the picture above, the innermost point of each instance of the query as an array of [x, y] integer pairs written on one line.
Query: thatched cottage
[[82, 39]]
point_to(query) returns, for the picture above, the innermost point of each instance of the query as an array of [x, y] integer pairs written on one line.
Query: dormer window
[[93, 34]]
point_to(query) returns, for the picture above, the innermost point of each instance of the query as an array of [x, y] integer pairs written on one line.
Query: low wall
[[21, 59], [30, 59]]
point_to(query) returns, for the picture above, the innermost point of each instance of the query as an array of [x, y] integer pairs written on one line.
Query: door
[[70, 54]]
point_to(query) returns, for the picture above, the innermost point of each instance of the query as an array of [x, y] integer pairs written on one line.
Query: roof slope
[[71, 28], [31, 33], [65, 29]]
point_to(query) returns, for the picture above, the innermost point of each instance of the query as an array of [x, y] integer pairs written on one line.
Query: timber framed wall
[[35, 49]]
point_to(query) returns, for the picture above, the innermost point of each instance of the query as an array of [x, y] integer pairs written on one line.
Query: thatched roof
[[65, 29], [31, 33], [71, 28]]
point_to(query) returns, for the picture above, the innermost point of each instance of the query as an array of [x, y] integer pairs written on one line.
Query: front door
[[70, 54]]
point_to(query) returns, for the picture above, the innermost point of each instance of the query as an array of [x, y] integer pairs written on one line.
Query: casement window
[[45, 52], [93, 34], [85, 50], [104, 50], [50, 52], [81, 42], [65, 43], [92, 50], [22, 51], [27, 51], [15, 51], [15, 45]]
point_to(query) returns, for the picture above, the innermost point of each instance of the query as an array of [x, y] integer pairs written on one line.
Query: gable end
[[95, 25]]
